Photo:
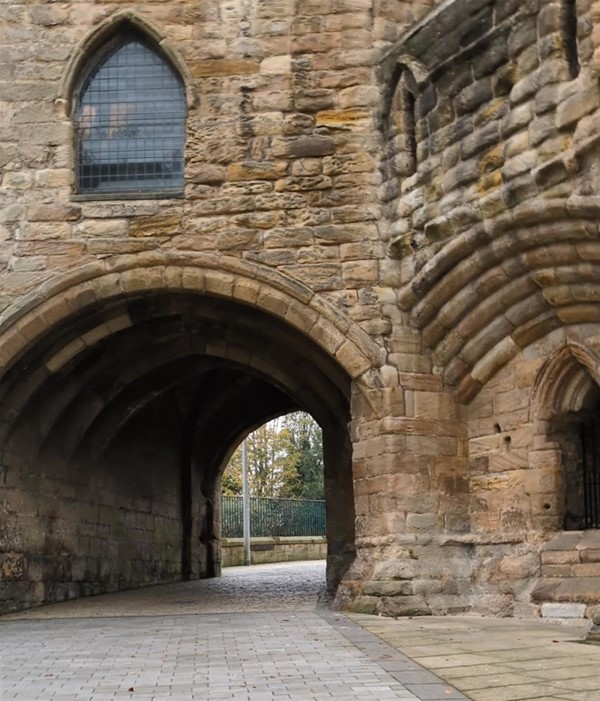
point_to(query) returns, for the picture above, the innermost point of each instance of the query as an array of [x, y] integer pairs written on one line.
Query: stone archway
[[121, 402], [566, 397]]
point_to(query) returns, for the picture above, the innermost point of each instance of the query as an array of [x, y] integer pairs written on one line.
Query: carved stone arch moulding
[[125, 20], [565, 381], [495, 287], [229, 278]]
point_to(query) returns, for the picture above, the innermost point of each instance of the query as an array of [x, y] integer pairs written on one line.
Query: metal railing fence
[[273, 517]]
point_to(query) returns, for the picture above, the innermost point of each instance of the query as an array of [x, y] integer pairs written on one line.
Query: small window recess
[[410, 126], [129, 123], [570, 32], [402, 124]]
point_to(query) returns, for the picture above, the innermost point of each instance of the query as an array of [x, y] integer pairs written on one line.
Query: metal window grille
[[590, 440], [130, 122]]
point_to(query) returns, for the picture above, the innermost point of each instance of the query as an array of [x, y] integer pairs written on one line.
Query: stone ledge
[[275, 549], [584, 590]]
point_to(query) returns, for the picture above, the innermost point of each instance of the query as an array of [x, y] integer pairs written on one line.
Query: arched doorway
[[567, 396], [118, 420]]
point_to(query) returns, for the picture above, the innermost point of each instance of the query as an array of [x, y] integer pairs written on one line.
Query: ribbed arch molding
[[492, 290]]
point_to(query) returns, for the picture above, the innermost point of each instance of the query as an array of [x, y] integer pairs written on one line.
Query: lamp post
[[246, 505]]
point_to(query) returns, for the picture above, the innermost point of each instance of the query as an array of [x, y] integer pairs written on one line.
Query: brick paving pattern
[[254, 634], [257, 633]]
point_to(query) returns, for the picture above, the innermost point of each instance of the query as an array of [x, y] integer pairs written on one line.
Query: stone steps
[[569, 586]]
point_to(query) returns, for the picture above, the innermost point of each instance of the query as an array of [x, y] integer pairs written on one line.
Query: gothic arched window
[[129, 120]]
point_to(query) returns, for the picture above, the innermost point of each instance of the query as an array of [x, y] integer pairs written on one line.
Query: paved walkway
[[183, 642], [257, 634], [498, 659]]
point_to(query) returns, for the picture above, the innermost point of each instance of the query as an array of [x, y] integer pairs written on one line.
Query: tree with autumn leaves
[[285, 460]]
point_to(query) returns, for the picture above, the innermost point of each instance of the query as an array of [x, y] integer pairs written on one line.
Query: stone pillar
[[339, 495]]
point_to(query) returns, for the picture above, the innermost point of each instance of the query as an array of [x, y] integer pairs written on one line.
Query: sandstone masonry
[[389, 219]]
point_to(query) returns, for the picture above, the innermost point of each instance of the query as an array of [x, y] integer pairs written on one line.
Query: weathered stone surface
[[403, 606], [222, 67], [311, 147], [408, 248]]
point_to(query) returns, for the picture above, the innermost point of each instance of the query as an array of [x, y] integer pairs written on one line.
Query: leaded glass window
[[130, 124]]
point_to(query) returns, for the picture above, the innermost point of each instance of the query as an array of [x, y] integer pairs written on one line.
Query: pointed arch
[[566, 381], [125, 21], [401, 122], [128, 101], [224, 277], [566, 411]]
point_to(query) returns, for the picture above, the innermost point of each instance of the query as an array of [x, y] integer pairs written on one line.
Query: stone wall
[[99, 528], [493, 219], [389, 220], [267, 550]]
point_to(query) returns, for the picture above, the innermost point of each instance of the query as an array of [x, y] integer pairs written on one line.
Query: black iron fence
[[273, 517]]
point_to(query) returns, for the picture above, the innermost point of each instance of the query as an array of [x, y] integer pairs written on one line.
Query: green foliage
[[231, 482], [285, 459], [306, 451]]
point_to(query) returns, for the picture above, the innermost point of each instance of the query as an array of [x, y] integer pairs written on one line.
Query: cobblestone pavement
[[292, 586], [255, 634]]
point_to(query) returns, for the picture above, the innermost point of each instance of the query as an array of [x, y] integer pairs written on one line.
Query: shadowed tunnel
[[116, 426]]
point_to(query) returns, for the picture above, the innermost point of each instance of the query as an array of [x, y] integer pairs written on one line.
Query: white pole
[[246, 505]]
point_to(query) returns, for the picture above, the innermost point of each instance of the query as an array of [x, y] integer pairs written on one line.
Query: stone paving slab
[[498, 659], [189, 645]]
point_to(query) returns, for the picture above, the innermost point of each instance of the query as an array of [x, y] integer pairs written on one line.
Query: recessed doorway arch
[[566, 400]]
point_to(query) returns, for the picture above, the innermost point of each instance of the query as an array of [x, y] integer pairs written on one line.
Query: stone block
[[363, 604], [590, 540], [95, 228], [224, 67], [557, 571], [561, 557], [586, 569], [564, 541], [398, 606], [12, 567], [395, 570], [389, 588], [576, 107], [276, 65], [520, 566], [311, 147], [589, 555], [422, 523], [563, 610]]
